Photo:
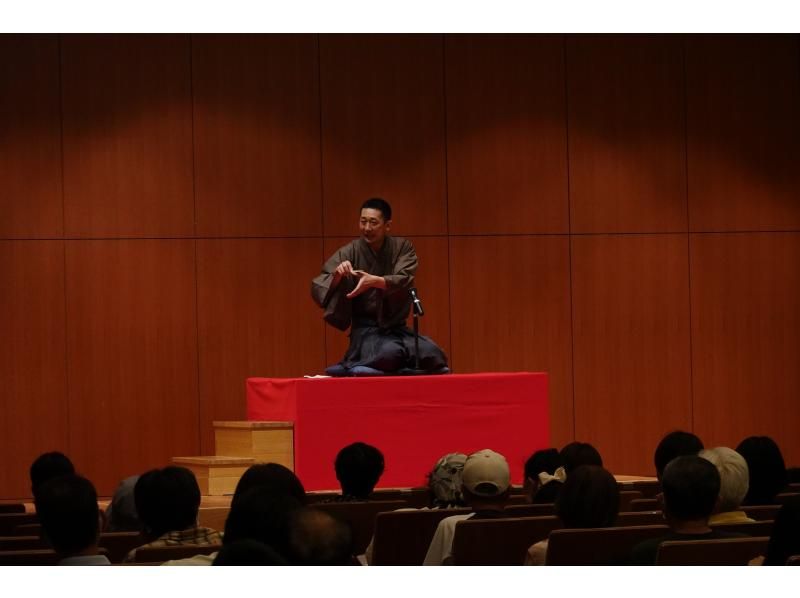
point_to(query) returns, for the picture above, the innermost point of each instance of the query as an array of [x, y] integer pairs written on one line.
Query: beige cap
[[486, 473]]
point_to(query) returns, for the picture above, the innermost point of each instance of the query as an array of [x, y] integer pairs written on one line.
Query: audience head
[[248, 552], [260, 514], [767, 469], [49, 466], [785, 539], [576, 454], [589, 498], [675, 444], [733, 476], [445, 480], [122, 516], [544, 474], [691, 489], [359, 466], [317, 538], [278, 480], [167, 500], [486, 478], [67, 509]]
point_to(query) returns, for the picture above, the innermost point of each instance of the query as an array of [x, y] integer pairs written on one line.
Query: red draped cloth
[[413, 420]]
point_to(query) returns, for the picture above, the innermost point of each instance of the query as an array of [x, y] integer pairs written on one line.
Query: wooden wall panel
[[383, 130], [30, 137], [743, 116], [33, 409], [132, 355], [506, 134], [746, 338], [627, 153], [631, 345], [127, 117], [256, 135], [433, 284], [510, 311], [256, 318]]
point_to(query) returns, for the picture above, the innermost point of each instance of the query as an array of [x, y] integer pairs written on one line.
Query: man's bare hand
[[345, 269], [366, 281]]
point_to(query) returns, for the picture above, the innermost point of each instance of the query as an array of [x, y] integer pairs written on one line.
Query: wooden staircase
[[238, 445]]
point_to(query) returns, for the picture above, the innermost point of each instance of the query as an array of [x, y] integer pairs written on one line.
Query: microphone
[[417, 304]]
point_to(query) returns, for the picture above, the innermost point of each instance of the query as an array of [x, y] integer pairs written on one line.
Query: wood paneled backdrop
[[622, 212]]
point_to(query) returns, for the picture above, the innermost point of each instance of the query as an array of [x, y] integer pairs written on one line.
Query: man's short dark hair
[[49, 466], [767, 469], [691, 487], [675, 444], [576, 454], [67, 509], [278, 480], [376, 203], [317, 538], [589, 498], [359, 466], [167, 500]]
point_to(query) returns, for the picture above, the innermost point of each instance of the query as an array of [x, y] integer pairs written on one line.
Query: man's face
[[373, 227]]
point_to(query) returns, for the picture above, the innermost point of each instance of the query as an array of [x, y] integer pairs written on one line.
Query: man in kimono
[[365, 285]]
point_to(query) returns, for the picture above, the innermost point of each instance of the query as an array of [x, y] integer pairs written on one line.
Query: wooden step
[[216, 475], [266, 442]]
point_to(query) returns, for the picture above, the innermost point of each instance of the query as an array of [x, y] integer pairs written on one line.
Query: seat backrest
[[640, 518], [604, 546], [10, 521], [499, 541], [785, 497], [534, 510], [39, 556], [22, 543], [160, 554], [28, 529], [403, 537], [727, 551], [648, 488], [761, 512], [645, 504], [16, 507], [753, 529], [415, 498], [793, 560], [360, 516], [118, 544], [625, 499]]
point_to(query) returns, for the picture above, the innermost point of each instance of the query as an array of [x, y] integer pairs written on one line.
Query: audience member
[[691, 491], [444, 481], [359, 466], [589, 499], [544, 476], [278, 480], [675, 444], [70, 518], [121, 512], [167, 501], [785, 539], [576, 454], [248, 552], [486, 482], [49, 466], [733, 476], [317, 538], [767, 469]]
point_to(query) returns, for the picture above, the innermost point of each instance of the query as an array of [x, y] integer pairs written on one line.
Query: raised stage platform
[[412, 420]]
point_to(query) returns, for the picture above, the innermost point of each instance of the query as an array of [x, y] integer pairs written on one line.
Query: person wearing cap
[[486, 483]]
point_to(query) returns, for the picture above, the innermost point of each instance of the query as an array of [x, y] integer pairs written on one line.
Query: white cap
[[486, 473]]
